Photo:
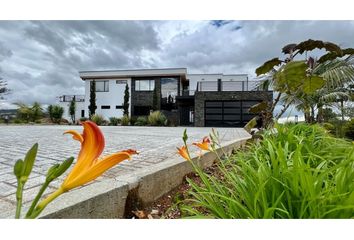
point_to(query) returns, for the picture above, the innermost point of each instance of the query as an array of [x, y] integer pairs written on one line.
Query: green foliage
[[157, 118], [141, 121], [125, 120], [126, 101], [299, 171], [37, 111], [92, 107], [329, 127], [328, 114], [72, 109], [22, 170], [267, 66], [349, 129], [55, 113], [259, 107], [98, 119], [18, 121], [29, 113], [114, 121], [155, 104]]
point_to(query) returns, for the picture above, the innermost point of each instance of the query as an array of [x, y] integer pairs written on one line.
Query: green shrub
[[56, 113], [38, 121], [141, 121], [83, 119], [125, 120], [349, 129], [17, 121], [114, 121], [98, 119], [157, 118], [133, 120], [329, 127], [298, 172]]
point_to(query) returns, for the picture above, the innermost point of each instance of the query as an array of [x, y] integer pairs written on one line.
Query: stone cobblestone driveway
[[155, 144]]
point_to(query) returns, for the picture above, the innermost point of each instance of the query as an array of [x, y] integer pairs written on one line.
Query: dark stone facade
[[201, 97], [144, 98]]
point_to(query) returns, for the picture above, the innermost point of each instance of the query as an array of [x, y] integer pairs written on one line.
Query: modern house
[[186, 99]]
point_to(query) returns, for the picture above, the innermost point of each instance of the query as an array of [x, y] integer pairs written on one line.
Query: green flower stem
[[19, 193], [39, 195], [40, 207]]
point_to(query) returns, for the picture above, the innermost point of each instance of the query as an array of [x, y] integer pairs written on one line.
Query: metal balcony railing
[[69, 98], [227, 86]]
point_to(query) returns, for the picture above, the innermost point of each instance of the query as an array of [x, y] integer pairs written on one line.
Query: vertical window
[[82, 113], [102, 86], [144, 85]]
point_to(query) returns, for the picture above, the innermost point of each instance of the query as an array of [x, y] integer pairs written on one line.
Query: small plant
[[98, 119], [125, 120], [55, 113], [157, 118], [141, 121], [17, 121], [298, 172], [114, 121], [349, 129]]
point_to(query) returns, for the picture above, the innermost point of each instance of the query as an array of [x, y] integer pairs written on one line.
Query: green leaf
[[185, 136], [63, 167], [328, 57], [51, 172], [29, 160], [309, 45], [257, 108], [312, 84], [251, 124], [291, 76], [331, 47], [267, 66], [289, 48], [18, 168]]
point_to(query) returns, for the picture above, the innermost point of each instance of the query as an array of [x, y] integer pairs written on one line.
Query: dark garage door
[[227, 113]]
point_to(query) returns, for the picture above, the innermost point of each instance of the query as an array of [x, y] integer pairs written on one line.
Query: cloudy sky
[[41, 59]]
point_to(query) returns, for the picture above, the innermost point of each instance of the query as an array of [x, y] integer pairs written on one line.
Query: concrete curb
[[116, 198]]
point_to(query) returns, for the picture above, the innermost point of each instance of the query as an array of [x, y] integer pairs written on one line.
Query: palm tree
[[337, 74]]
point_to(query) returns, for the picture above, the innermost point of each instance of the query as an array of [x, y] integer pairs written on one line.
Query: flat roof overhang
[[109, 74]]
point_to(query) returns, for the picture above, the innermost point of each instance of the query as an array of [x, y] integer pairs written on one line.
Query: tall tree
[[292, 77], [72, 109], [126, 101], [92, 107], [155, 106]]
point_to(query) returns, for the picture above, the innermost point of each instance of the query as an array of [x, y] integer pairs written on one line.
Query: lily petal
[[183, 152], [76, 135], [91, 149], [97, 169]]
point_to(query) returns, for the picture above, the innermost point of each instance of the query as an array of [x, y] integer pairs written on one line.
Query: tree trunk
[[342, 109]]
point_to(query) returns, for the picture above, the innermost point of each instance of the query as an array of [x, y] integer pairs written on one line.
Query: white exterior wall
[[114, 96], [79, 106]]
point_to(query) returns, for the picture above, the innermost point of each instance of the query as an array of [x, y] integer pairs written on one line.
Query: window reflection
[[169, 91]]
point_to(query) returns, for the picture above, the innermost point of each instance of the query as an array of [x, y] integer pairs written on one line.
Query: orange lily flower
[[88, 165], [204, 145], [183, 152]]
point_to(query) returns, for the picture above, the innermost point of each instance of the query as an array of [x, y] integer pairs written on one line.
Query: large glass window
[[102, 86], [169, 91], [144, 85]]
